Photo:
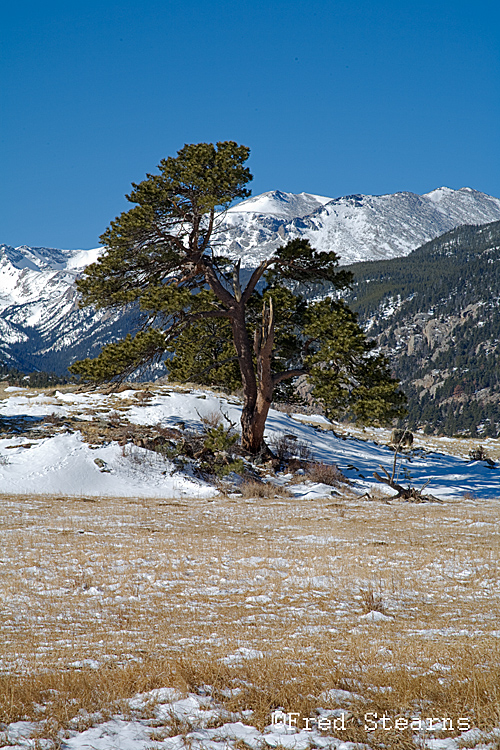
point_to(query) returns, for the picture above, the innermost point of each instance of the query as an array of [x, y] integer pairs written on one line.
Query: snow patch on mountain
[[277, 203], [40, 316]]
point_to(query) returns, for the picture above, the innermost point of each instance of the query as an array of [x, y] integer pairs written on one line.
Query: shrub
[[318, 471], [479, 454], [253, 488], [371, 602], [287, 447]]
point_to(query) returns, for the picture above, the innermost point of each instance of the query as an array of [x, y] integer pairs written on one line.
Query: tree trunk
[[253, 423], [257, 386]]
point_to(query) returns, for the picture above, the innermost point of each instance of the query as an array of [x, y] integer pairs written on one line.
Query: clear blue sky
[[368, 96]]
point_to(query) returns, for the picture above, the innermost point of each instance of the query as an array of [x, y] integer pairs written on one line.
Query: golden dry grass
[[102, 599]]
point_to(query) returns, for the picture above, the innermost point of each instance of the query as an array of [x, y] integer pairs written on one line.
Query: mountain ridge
[[42, 326], [356, 227]]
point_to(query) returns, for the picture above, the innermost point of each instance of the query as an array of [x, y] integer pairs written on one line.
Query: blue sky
[[332, 98]]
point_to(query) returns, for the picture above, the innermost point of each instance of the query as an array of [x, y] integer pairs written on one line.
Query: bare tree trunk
[[244, 351], [263, 347], [257, 386]]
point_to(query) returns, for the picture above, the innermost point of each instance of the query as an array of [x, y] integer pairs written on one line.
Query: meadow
[[318, 608]]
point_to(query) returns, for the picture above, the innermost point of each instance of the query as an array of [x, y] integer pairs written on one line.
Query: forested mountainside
[[436, 313]]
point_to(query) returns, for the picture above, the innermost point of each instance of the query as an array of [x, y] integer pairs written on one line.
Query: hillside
[[150, 442], [41, 324], [437, 314]]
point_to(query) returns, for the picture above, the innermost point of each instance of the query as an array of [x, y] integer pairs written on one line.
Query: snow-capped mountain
[[356, 227], [42, 327]]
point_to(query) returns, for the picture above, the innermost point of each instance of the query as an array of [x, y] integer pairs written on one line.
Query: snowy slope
[[64, 463], [277, 203], [41, 325]]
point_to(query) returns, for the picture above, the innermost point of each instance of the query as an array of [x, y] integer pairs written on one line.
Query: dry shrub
[[318, 471], [54, 418], [211, 419], [287, 447], [253, 488], [371, 602], [114, 418], [143, 396], [469, 496], [478, 454]]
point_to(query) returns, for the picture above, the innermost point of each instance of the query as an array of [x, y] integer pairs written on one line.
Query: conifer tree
[[161, 255]]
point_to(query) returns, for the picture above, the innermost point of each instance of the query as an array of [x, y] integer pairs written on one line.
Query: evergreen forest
[[436, 314]]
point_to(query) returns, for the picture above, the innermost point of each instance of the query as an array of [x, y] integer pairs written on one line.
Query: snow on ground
[[63, 463], [199, 713]]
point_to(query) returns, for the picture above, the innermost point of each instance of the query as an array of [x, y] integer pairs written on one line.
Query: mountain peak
[[279, 203], [43, 327]]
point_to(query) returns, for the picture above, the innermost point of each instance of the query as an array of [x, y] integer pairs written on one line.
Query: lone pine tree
[[211, 328]]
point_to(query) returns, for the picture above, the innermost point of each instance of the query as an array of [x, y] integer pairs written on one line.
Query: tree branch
[[208, 233], [280, 376], [212, 366], [236, 281], [255, 278], [213, 282], [193, 317], [407, 493]]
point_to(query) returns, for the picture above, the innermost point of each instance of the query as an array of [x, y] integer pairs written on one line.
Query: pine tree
[[160, 255]]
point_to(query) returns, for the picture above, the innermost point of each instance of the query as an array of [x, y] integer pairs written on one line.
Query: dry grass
[[252, 488], [103, 599], [318, 471], [372, 602]]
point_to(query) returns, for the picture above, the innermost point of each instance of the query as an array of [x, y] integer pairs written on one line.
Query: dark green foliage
[[145, 245], [323, 339], [220, 438], [299, 262], [124, 357], [219, 441], [346, 380], [156, 252], [204, 351]]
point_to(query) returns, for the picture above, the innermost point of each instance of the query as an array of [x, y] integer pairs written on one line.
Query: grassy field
[[270, 601]]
